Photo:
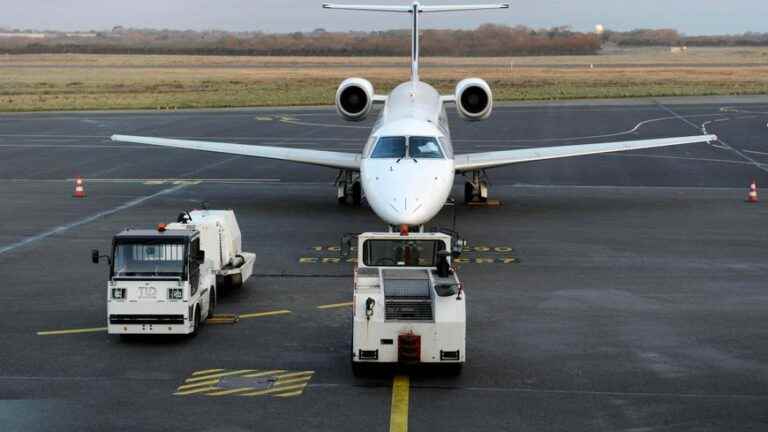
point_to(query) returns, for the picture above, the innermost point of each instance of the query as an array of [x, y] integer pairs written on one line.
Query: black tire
[[454, 369], [358, 369], [357, 194], [196, 325], [343, 199], [469, 192], [235, 281], [211, 302]]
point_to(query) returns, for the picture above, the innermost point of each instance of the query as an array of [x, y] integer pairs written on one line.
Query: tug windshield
[[401, 253], [149, 259]]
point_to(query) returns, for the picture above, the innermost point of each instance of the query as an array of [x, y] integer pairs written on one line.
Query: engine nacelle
[[354, 99], [474, 99]]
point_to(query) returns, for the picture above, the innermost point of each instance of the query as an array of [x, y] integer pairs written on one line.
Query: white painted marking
[[69, 226], [757, 164]]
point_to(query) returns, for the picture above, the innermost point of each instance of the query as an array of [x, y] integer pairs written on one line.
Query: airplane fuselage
[[409, 186]]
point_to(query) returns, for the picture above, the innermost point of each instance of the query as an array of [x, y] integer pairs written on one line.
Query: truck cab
[[160, 282], [409, 305]]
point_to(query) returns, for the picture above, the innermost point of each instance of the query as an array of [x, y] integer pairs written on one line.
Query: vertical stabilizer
[[415, 9]]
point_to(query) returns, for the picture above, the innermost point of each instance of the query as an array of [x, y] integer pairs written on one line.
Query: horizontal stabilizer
[[472, 161], [324, 158], [409, 8]]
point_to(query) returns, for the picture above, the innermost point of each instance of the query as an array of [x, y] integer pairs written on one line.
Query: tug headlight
[[175, 293], [118, 293]]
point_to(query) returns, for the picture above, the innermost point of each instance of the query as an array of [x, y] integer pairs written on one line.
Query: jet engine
[[354, 98], [474, 99]]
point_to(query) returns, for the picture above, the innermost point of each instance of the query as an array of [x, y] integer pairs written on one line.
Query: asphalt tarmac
[[606, 293]]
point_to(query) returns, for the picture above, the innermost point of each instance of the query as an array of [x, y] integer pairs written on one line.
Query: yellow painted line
[[273, 390], [229, 392], [207, 371], [294, 393], [295, 374], [71, 331], [198, 384], [263, 314], [398, 416], [292, 381], [218, 375], [263, 118], [334, 305], [199, 390], [272, 372]]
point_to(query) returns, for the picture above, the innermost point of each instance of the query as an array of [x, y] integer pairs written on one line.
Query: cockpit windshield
[[422, 147], [416, 147], [391, 147]]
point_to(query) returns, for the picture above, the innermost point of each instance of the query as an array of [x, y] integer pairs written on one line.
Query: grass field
[[74, 82]]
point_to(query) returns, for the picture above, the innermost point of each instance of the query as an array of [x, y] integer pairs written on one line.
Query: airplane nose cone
[[406, 192]]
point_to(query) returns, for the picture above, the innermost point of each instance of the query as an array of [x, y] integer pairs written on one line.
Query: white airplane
[[407, 167]]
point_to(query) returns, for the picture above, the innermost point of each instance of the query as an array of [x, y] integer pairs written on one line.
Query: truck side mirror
[[201, 256], [345, 249], [95, 256]]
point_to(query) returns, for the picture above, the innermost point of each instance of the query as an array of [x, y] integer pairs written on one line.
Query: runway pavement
[[614, 292]]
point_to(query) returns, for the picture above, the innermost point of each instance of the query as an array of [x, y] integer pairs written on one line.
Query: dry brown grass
[[55, 82]]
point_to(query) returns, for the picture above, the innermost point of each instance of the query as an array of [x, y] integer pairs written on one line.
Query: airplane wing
[[324, 158], [473, 161]]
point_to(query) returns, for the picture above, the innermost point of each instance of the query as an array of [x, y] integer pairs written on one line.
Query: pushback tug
[[409, 304]]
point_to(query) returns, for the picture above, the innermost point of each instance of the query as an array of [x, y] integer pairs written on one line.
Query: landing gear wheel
[[341, 195], [357, 194], [469, 192]]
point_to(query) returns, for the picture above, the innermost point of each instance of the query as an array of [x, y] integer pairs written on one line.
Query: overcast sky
[[688, 16]]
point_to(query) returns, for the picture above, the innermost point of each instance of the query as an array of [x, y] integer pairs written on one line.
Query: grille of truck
[[146, 319], [408, 309]]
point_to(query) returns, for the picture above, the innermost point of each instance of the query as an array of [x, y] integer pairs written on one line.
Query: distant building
[[23, 35]]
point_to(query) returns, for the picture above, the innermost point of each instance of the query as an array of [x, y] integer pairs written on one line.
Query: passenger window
[[424, 148], [389, 148]]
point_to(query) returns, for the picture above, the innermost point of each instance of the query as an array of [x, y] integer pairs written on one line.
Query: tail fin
[[415, 9]]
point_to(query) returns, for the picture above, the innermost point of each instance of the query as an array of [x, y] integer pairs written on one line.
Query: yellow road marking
[[263, 118], [200, 390], [207, 371], [71, 331], [218, 375], [398, 417], [295, 374], [189, 386], [292, 381], [229, 392], [263, 373], [274, 390], [334, 305], [263, 314], [294, 393]]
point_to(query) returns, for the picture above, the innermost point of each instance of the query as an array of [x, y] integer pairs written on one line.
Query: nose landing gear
[[476, 189], [348, 188]]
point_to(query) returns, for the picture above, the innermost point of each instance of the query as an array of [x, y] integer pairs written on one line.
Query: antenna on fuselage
[[415, 9]]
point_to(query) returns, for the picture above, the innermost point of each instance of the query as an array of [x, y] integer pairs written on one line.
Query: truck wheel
[[358, 369], [196, 325], [455, 369], [211, 303], [235, 282]]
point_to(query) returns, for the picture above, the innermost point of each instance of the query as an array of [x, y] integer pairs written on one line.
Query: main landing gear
[[476, 189], [348, 188]]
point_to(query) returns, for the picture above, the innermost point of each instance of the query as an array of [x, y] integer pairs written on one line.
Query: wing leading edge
[[473, 161], [324, 158]]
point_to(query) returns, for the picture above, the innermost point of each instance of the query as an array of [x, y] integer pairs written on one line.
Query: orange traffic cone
[[752, 196], [79, 188]]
